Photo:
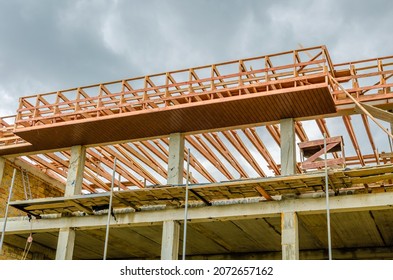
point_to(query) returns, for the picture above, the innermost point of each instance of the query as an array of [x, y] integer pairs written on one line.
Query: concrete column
[[288, 147], [171, 229], [170, 240], [66, 240], [75, 171], [2, 167], [289, 236], [176, 159], [65, 244]]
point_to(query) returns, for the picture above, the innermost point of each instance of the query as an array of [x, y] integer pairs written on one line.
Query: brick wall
[[13, 245], [12, 253]]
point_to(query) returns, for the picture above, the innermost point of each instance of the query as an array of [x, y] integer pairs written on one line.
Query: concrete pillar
[[65, 244], [66, 240], [170, 240], [288, 147], [75, 171], [176, 159], [289, 236], [171, 229], [2, 167]]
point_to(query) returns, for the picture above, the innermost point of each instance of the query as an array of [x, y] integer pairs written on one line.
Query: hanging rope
[[29, 242]]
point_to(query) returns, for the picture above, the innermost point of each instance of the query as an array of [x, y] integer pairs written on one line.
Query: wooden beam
[[264, 193], [253, 136], [352, 136], [324, 131], [204, 149], [146, 158], [107, 159], [125, 158], [370, 137], [300, 132], [360, 106], [376, 112], [235, 140], [217, 143]]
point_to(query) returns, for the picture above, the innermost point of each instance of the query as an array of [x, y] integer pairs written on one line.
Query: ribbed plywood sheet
[[360, 180]]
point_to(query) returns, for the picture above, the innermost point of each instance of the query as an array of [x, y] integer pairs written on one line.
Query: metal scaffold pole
[[6, 211], [109, 210], [186, 207], [327, 200]]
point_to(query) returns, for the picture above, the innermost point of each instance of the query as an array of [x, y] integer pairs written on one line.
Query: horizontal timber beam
[[347, 203]]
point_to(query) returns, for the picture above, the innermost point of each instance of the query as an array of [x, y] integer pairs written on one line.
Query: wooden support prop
[[312, 150], [377, 113], [361, 107]]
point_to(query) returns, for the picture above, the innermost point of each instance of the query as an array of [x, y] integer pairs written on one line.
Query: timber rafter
[[218, 153]]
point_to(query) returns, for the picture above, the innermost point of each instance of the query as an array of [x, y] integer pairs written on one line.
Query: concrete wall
[[39, 189]]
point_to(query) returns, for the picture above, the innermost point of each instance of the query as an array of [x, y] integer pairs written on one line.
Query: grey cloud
[[50, 45]]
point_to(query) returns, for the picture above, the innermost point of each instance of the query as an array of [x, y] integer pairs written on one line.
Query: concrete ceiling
[[366, 235]]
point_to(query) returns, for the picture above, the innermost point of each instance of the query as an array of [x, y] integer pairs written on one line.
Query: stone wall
[[39, 189]]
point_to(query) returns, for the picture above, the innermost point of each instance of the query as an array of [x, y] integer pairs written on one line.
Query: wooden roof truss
[[244, 152]]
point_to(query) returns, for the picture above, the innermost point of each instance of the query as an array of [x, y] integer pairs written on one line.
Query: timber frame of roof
[[229, 113]]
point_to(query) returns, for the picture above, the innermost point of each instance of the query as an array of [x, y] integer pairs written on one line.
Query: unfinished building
[[235, 158]]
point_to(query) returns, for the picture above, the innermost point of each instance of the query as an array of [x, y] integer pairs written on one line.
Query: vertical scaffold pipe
[[327, 200], [186, 207], [6, 211], [109, 210]]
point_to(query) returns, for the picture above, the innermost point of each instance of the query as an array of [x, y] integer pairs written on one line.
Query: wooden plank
[[376, 112], [369, 171], [263, 192], [319, 164], [372, 179]]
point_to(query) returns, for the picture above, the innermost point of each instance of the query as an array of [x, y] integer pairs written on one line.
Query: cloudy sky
[[50, 45]]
